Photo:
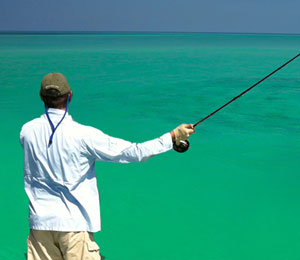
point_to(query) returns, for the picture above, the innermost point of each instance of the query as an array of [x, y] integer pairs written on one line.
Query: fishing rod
[[184, 145]]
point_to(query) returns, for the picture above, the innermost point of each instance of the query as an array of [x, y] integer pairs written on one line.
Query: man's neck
[[61, 108]]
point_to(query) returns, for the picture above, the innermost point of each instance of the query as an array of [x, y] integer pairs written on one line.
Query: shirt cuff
[[167, 141]]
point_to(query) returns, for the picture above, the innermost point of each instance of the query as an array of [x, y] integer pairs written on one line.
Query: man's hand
[[182, 133]]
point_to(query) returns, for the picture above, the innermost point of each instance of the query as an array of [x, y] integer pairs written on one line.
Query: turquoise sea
[[235, 195]]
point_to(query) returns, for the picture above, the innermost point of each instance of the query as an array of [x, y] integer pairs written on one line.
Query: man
[[60, 178]]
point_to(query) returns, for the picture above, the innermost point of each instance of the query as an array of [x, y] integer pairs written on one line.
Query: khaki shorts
[[56, 245]]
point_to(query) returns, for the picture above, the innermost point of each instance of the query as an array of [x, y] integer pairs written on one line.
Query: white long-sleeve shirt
[[60, 179]]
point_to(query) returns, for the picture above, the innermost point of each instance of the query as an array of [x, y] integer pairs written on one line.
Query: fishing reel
[[182, 147]]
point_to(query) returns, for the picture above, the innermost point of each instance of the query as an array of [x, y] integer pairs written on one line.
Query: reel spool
[[182, 147]]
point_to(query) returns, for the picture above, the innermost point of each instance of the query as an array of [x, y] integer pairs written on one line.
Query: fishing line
[[184, 145]]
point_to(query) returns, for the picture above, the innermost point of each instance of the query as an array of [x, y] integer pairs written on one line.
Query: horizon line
[[137, 32]]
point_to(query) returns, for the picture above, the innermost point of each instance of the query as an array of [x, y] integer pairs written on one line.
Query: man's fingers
[[190, 128]]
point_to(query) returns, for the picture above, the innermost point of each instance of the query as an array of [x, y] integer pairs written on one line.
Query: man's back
[[60, 178]]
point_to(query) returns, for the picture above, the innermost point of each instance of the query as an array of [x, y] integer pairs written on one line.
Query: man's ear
[[71, 95]]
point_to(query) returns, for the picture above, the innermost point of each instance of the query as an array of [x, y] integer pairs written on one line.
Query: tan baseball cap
[[54, 84]]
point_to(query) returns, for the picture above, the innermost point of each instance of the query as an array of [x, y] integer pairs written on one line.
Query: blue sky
[[255, 16]]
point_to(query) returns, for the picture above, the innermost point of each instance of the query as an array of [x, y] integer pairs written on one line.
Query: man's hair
[[54, 101]]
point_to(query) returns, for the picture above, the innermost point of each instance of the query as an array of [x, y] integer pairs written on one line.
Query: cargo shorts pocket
[[93, 250]]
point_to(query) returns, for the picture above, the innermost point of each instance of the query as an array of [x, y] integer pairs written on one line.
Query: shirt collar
[[55, 111]]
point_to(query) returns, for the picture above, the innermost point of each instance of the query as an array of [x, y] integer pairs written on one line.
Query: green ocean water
[[235, 195]]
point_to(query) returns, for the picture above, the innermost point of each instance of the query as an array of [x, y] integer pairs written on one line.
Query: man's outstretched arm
[[106, 148]]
